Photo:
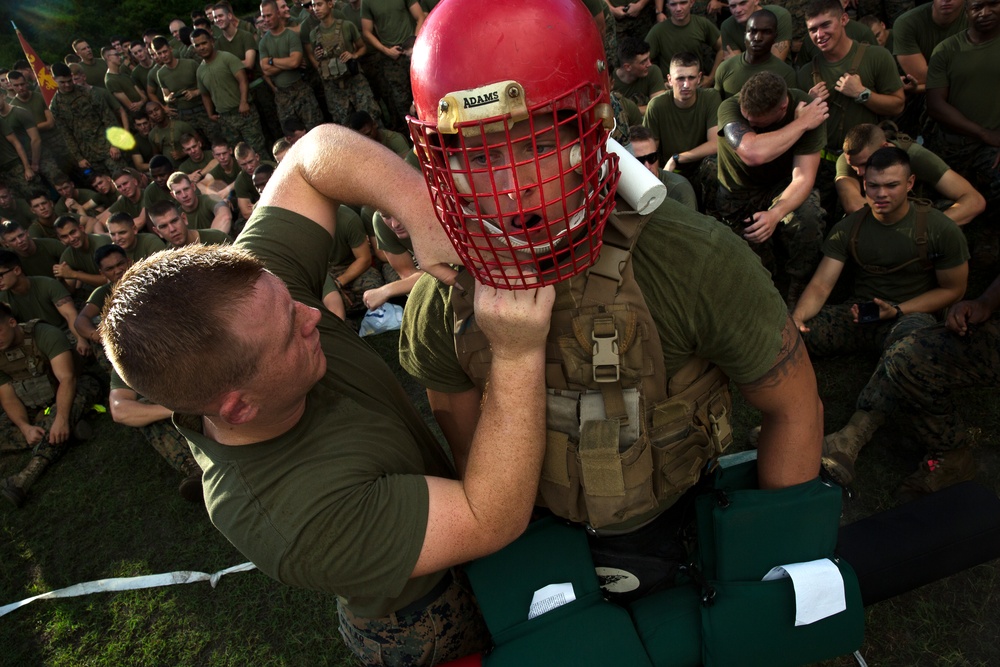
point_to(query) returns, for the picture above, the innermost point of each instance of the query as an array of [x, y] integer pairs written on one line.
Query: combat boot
[[190, 487], [840, 449], [937, 471], [15, 488]]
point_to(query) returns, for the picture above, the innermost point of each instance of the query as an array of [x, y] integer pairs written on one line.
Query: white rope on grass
[[131, 584]]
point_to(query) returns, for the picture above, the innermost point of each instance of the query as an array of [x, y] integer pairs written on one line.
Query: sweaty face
[[103, 184], [127, 187], [172, 228], [72, 236], [984, 15], [760, 35], [203, 46], [221, 19], [185, 194], [155, 112], [65, 84], [249, 163], [684, 81], [640, 65], [887, 189], [321, 9], [679, 10], [42, 207], [84, 51], [160, 175], [742, 9], [114, 266], [396, 226], [122, 235], [193, 150], [223, 155], [143, 126], [826, 30], [18, 241], [20, 87]]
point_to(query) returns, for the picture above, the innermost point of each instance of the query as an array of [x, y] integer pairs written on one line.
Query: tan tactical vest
[[29, 370], [332, 42], [623, 440]]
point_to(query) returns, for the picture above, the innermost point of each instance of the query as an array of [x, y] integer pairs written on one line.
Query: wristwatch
[[676, 157], [863, 96], [270, 61], [899, 311]]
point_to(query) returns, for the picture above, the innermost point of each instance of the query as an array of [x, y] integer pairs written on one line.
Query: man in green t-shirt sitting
[[769, 147], [41, 396], [637, 78], [963, 202], [909, 264]]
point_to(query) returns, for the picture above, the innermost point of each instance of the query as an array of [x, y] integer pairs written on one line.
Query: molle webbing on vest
[[28, 369], [623, 440]]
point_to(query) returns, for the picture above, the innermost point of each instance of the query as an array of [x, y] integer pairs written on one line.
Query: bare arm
[[491, 505], [35, 142], [127, 409], [66, 272], [791, 435], [84, 323], [804, 169], [780, 50], [368, 31], [48, 123], [335, 165], [719, 57], [757, 149], [18, 415], [223, 220], [849, 192], [402, 264], [968, 202], [952, 284], [418, 15], [457, 415], [817, 291], [62, 368], [68, 311], [362, 260], [916, 66]]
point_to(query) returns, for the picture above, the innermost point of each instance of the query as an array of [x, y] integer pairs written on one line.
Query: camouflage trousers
[[398, 93], [629, 26], [171, 445], [800, 233], [236, 127], [12, 440], [298, 101], [13, 177], [198, 118], [267, 112], [351, 93], [353, 292], [448, 628], [917, 376], [833, 331], [974, 161], [611, 39]]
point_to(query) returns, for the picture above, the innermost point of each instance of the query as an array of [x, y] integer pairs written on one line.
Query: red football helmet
[[514, 112]]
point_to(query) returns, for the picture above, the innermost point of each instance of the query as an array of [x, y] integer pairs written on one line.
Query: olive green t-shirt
[[281, 46], [736, 175], [83, 197], [642, 89], [19, 121], [122, 83], [124, 205], [39, 302], [666, 40], [970, 73], [95, 72], [218, 79], [51, 343], [877, 70], [350, 233], [916, 32], [243, 185], [100, 295], [140, 76], [890, 246], [735, 71], [83, 260], [20, 212], [338, 503], [393, 23], [679, 189], [394, 141], [679, 130], [181, 78], [732, 318], [9, 159], [213, 237], [734, 34], [167, 140], [925, 165], [145, 245], [48, 253], [220, 174], [203, 215], [189, 166], [154, 194]]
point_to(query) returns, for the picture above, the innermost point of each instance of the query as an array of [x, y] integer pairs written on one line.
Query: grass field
[[109, 508]]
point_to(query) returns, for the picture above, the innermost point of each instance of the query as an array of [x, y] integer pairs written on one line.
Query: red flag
[[46, 84]]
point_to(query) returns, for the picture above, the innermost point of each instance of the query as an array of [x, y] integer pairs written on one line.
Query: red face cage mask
[[517, 167]]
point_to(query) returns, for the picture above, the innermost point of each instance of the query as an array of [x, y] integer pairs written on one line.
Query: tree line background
[[51, 25]]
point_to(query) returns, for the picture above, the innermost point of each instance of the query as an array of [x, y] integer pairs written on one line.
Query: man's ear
[[236, 408]]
